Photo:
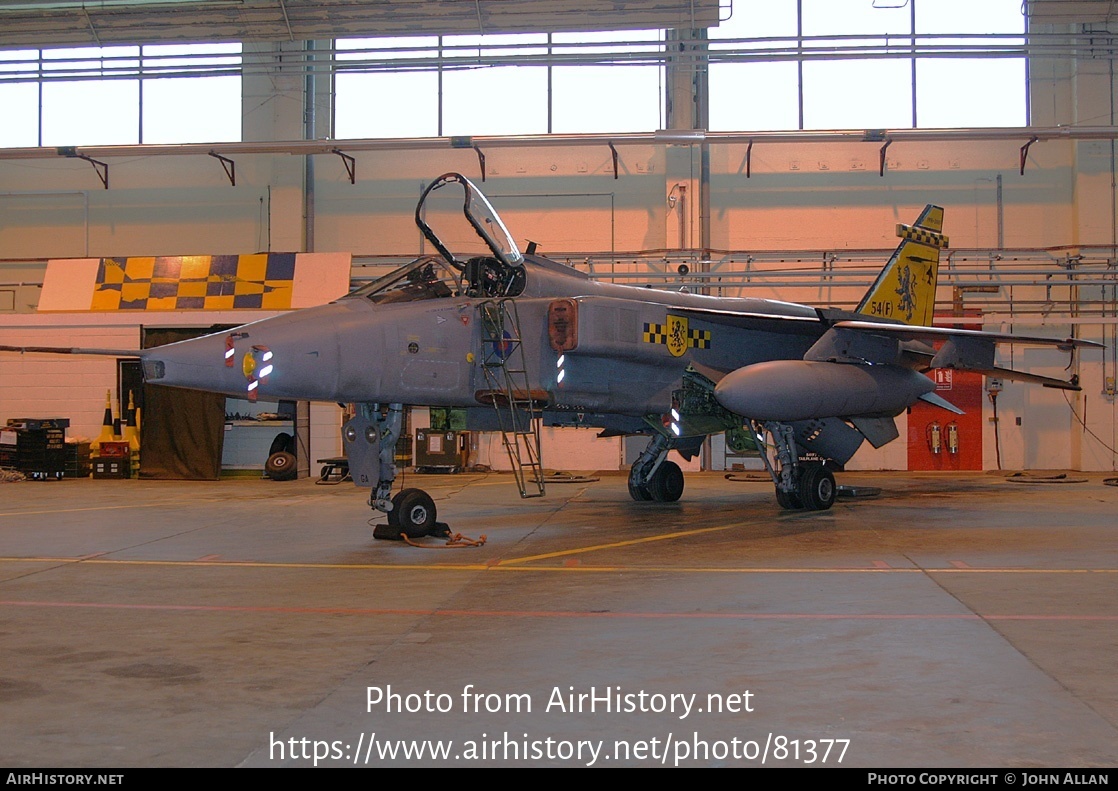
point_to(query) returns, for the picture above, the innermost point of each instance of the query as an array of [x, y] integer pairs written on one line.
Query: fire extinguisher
[[952, 437], [935, 439]]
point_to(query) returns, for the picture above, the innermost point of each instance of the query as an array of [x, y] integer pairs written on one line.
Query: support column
[[273, 110]]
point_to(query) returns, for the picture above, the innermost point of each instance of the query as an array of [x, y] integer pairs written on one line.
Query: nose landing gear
[[369, 440]]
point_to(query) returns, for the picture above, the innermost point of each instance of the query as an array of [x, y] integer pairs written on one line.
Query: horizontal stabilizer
[[941, 402], [72, 350], [1036, 379]]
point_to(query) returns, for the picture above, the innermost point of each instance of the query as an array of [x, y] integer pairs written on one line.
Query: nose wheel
[[413, 513]]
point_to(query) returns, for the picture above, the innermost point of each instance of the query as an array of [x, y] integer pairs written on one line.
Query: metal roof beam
[[24, 24], [686, 137]]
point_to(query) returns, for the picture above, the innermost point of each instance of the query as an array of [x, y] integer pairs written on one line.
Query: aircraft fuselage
[[625, 351]]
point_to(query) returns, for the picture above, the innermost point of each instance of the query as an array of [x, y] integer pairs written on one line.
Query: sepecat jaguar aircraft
[[517, 340]]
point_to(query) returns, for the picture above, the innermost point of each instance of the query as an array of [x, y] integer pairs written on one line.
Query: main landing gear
[[653, 477], [800, 484]]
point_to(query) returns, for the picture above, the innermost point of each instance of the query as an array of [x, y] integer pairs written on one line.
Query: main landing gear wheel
[[413, 513], [666, 485], [817, 488], [789, 501], [639, 493]]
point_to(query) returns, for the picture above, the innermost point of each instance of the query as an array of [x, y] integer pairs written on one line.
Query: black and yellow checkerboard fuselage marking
[[263, 281], [676, 335]]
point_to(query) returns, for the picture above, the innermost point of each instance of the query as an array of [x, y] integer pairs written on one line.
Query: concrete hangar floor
[[954, 621]]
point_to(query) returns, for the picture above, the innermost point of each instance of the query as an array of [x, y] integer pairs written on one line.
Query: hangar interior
[[676, 137], [726, 147]]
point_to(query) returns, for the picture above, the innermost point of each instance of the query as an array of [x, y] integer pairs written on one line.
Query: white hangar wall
[[798, 196]]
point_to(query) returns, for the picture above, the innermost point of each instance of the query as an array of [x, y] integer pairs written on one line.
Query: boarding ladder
[[506, 378]]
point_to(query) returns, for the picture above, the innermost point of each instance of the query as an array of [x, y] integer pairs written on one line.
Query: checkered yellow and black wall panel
[[200, 282]]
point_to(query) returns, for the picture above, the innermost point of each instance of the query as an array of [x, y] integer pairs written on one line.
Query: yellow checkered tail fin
[[905, 291]]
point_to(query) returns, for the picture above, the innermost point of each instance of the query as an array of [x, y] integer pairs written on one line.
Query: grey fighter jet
[[518, 341]]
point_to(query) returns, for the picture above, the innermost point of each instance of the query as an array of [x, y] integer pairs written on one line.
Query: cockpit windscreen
[[426, 278]]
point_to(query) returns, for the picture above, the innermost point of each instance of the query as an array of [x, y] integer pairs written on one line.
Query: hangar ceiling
[[1062, 12], [40, 23], [44, 23]]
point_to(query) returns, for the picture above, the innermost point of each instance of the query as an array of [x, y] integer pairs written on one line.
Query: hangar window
[[91, 96], [839, 64], [482, 98], [619, 87], [525, 83], [975, 91], [191, 93], [752, 83], [855, 92], [19, 95], [387, 87], [121, 95], [431, 86]]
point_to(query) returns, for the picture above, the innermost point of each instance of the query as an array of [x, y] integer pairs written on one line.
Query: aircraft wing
[[796, 319], [967, 350], [907, 332]]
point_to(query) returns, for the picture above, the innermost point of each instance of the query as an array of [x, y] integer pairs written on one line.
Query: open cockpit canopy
[[500, 273]]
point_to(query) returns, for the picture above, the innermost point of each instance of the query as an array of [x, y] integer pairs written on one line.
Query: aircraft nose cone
[[293, 356], [197, 363]]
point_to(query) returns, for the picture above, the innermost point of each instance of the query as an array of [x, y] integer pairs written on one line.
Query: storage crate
[[114, 450], [39, 453], [77, 460], [37, 423], [111, 468]]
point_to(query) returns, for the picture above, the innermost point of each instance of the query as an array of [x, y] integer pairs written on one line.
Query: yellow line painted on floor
[[514, 565], [161, 504], [579, 614], [616, 544], [76, 510], [256, 564]]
